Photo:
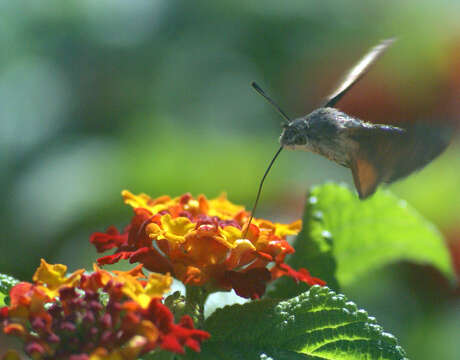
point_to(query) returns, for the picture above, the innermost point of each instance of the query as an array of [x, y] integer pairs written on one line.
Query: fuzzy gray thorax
[[324, 131]]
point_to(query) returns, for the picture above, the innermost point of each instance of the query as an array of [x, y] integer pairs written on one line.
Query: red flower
[[78, 324], [201, 242]]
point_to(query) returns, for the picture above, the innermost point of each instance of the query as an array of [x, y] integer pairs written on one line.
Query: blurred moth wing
[[357, 72], [386, 153]]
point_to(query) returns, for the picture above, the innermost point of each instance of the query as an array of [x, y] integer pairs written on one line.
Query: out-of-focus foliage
[[344, 238], [154, 96]]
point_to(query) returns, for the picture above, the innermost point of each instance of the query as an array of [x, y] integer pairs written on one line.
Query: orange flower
[[200, 242], [64, 317]]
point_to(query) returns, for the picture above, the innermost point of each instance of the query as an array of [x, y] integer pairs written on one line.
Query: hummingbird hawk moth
[[375, 153]]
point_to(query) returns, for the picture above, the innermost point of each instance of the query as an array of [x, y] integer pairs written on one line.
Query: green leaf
[[6, 283], [318, 324], [344, 237]]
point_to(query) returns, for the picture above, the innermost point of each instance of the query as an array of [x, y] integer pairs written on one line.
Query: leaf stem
[[195, 298]]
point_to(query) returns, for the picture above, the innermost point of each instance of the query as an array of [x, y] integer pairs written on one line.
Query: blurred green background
[[153, 96]]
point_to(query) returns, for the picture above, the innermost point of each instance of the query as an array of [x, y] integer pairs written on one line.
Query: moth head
[[295, 133]]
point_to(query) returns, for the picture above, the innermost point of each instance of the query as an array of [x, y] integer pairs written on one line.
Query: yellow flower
[[144, 201], [175, 229], [223, 208], [53, 277], [156, 286]]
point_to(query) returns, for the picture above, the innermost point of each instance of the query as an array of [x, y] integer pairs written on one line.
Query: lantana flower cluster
[[95, 316], [204, 243]]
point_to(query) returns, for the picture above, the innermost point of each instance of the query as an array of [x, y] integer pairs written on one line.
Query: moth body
[[325, 131]]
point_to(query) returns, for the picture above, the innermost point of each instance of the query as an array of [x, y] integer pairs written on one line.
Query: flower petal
[[302, 274]]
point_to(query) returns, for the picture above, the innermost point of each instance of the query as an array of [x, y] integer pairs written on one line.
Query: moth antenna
[[260, 190], [270, 100]]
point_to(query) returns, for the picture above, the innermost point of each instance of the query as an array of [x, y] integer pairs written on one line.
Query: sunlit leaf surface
[[318, 324]]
